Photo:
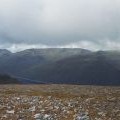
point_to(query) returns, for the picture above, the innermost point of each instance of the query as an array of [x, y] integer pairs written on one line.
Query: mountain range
[[63, 66]]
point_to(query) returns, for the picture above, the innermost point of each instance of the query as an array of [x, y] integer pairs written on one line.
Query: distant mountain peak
[[4, 52]]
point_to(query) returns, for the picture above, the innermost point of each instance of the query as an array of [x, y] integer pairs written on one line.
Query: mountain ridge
[[64, 66]]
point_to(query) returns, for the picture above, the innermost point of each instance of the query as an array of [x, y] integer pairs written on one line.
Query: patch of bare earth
[[59, 102]]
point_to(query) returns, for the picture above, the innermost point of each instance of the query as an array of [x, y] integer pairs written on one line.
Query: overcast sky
[[90, 24]]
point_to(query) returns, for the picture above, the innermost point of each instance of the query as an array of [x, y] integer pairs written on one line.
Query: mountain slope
[[65, 66], [5, 79], [92, 69], [16, 63]]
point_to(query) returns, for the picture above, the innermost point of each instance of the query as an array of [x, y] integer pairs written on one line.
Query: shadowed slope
[[91, 69], [5, 79]]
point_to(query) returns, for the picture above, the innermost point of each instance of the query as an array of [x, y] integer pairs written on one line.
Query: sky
[[89, 24]]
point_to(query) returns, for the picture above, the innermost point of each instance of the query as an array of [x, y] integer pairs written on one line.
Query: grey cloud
[[55, 23]]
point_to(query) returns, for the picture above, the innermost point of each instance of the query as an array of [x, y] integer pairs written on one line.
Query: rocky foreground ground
[[59, 102]]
